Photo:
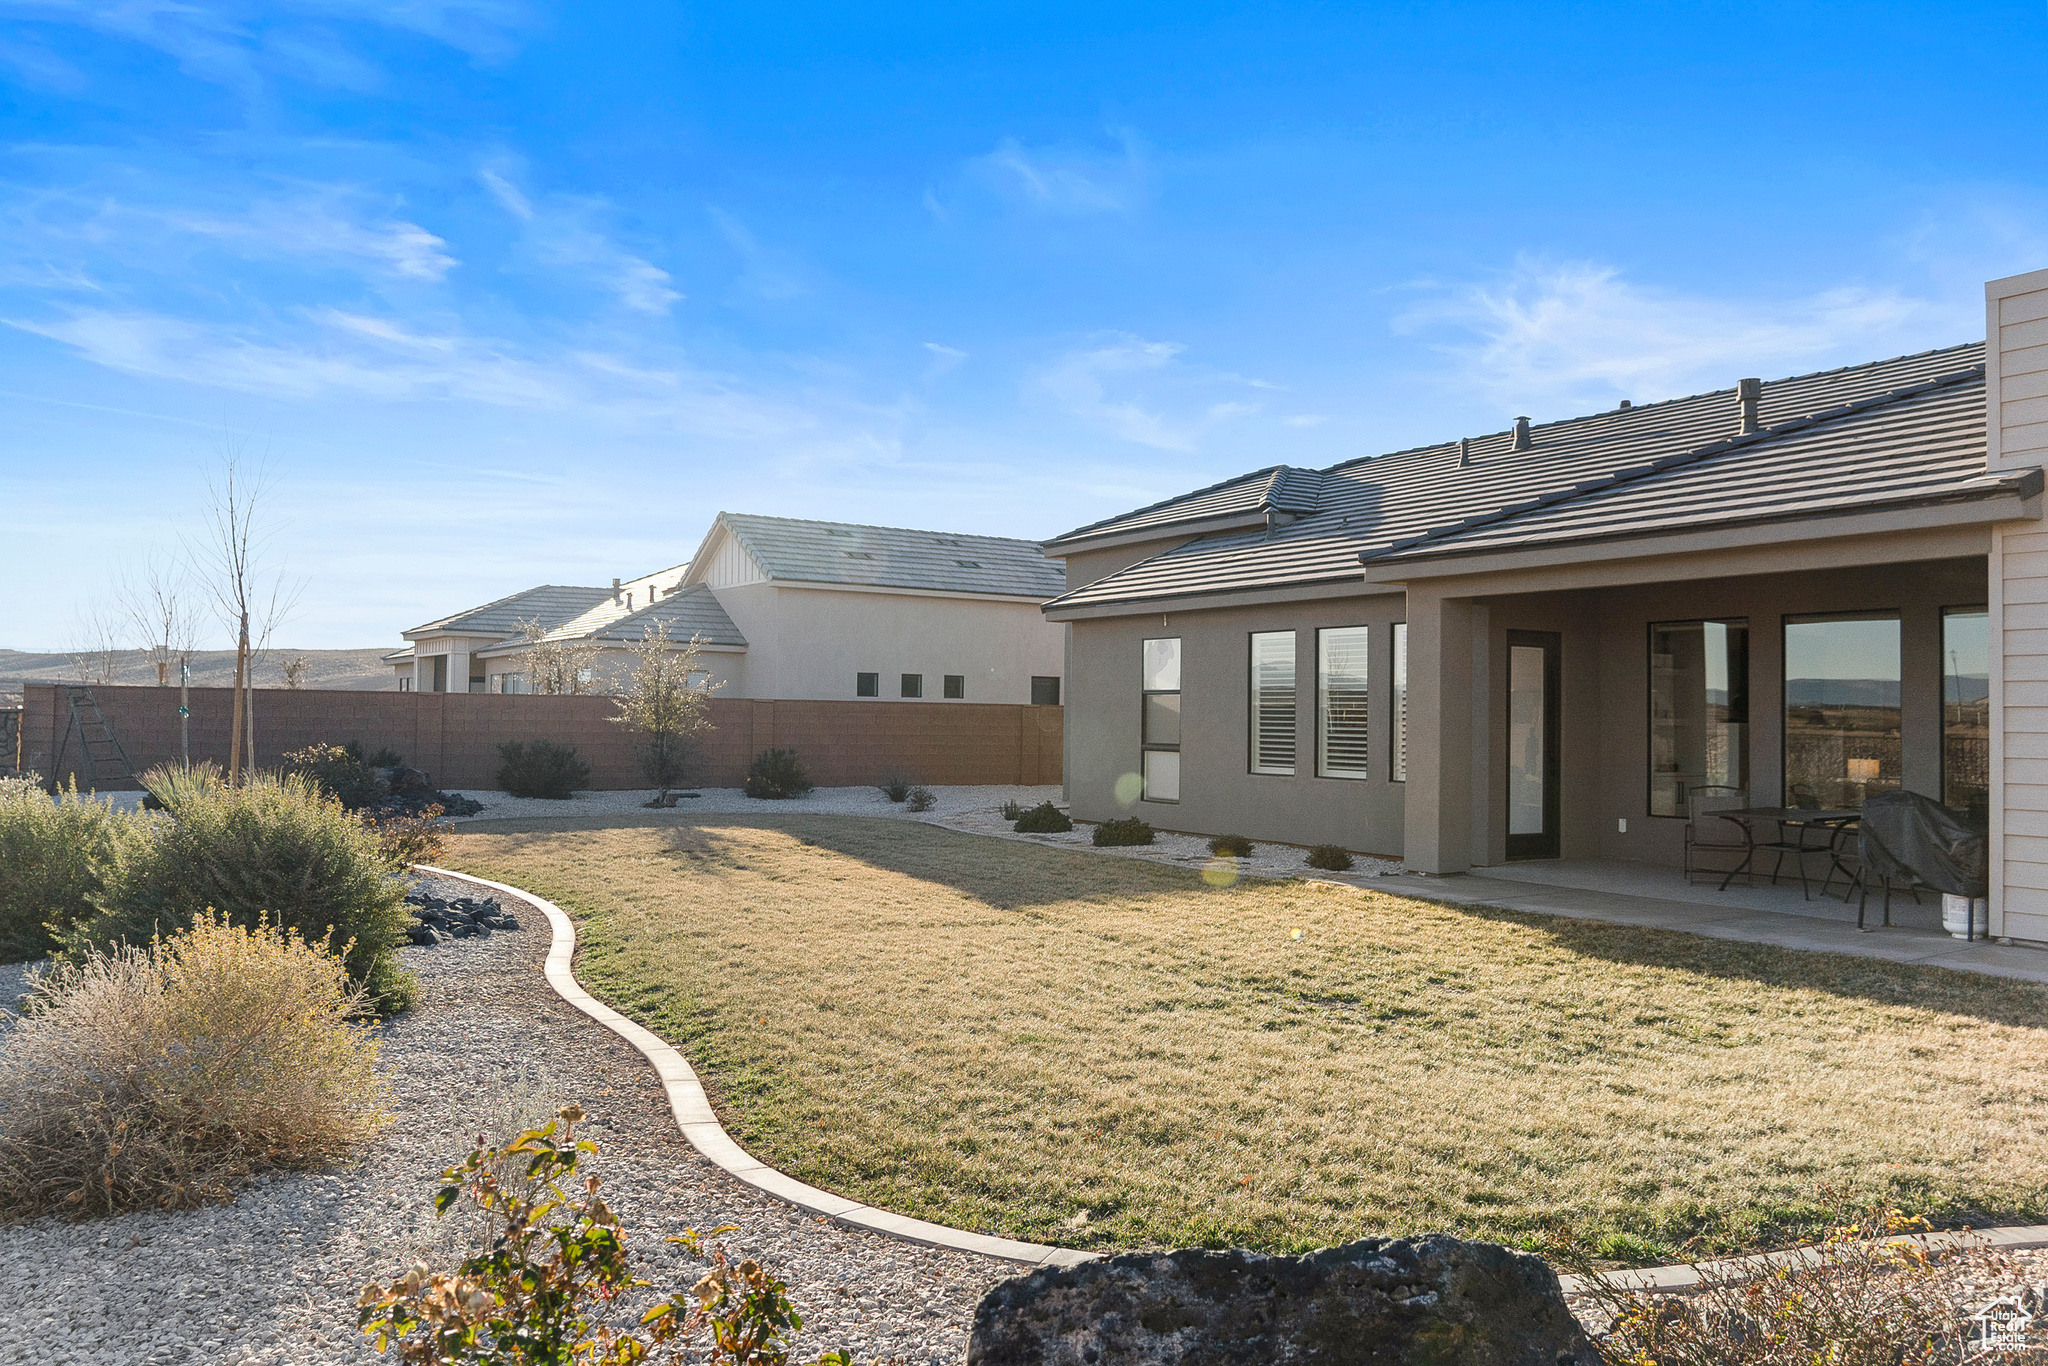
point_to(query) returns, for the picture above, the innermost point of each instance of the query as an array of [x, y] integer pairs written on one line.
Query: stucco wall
[[1219, 793], [808, 643]]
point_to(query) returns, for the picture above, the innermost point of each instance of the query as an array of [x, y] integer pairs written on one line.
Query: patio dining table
[[1802, 818]]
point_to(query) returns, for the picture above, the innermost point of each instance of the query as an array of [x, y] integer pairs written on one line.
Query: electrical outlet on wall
[[1621, 825]]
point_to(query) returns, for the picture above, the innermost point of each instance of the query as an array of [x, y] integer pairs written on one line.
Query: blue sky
[[512, 293]]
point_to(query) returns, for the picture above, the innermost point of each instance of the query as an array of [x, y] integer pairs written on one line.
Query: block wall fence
[[454, 737]]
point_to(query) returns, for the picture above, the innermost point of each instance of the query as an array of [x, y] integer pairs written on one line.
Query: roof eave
[[1073, 544]]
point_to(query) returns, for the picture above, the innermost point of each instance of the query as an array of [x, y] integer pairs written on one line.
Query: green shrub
[[53, 857], [541, 768], [1129, 830], [154, 1076], [1231, 846], [1044, 819], [775, 774], [339, 773], [1329, 857], [548, 1277], [275, 847], [1012, 809], [894, 786], [920, 799], [385, 757]]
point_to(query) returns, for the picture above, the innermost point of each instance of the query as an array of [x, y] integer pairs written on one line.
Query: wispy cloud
[[1141, 392], [1547, 336], [319, 227], [565, 231], [1066, 179], [944, 358]]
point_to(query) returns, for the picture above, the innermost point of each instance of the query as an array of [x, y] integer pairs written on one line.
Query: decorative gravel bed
[[273, 1276]]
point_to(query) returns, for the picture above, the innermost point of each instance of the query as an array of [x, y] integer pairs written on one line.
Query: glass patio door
[[1532, 795]]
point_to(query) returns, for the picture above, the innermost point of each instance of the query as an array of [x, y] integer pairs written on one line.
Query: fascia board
[[1198, 602], [1998, 507]]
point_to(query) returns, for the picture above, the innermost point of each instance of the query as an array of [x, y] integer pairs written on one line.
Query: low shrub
[[1129, 830], [1044, 819], [53, 859], [275, 847], [1330, 858], [153, 1077], [340, 773], [548, 1277], [1231, 846], [385, 757], [895, 787], [921, 799], [406, 840], [1012, 809], [776, 774], [541, 768]]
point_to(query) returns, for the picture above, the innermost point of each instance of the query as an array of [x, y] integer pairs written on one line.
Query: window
[[1160, 722], [439, 673], [517, 683], [1699, 709], [1272, 692], [1841, 708], [405, 685], [913, 685], [956, 685], [1045, 692], [867, 685], [1966, 711], [1397, 685], [1342, 731]]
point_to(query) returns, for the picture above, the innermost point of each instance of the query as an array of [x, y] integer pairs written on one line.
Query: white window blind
[[1400, 701], [1273, 702], [1344, 734]]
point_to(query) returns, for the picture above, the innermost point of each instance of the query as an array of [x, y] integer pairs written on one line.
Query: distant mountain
[[1841, 692], [210, 669]]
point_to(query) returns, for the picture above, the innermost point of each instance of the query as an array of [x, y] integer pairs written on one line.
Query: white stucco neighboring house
[[796, 609]]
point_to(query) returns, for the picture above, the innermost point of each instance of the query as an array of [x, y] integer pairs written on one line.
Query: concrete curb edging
[[1691, 1276], [694, 1116]]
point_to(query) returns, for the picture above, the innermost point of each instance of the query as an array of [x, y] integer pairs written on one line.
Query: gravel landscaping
[[273, 1276]]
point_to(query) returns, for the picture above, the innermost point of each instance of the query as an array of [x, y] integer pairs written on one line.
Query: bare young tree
[[246, 588], [295, 671], [559, 667], [97, 656], [666, 698], [160, 611]]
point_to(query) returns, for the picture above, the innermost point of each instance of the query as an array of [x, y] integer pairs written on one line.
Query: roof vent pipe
[[1464, 451], [1521, 434], [1748, 393], [1626, 405], [615, 590]]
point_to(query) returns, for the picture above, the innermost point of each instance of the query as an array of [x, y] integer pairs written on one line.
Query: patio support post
[[1441, 679]]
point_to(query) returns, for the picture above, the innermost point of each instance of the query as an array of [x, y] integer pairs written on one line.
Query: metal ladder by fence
[[95, 741]]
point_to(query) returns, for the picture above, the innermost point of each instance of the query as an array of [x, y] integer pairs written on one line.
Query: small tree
[[295, 671], [666, 699], [558, 667], [160, 610]]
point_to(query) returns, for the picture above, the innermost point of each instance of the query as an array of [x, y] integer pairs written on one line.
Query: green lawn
[[1108, 1053]]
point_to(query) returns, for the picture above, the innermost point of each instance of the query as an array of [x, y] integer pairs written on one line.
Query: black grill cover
[[1908, 836]]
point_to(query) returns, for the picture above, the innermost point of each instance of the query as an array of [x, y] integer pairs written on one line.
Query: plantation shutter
[[1272, 688], [1341, 657]]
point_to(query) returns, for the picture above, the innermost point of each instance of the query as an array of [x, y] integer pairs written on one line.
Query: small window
[[1966, 710], [405, 685], [1045, 692], [1343, 733], [1272, 693], [1397, 684], [913, 685], [956, 685], [867, 685], [1159, 722]]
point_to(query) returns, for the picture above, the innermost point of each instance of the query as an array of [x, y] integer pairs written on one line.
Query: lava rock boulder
[[436, 920], [1432, 1301]]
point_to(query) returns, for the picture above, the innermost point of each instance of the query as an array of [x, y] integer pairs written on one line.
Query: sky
[[499, 293]]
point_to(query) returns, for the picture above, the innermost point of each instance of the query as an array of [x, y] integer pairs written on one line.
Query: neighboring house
[[786, 608], [1539, 643]]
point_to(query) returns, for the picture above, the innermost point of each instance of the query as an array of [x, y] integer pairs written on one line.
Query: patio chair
[[1709, 834]]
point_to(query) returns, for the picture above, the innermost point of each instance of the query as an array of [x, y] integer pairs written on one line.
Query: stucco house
[[1538, 643], [791, 609]]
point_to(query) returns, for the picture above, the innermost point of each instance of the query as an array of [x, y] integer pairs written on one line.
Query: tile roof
[[551, 603], [1370, 506], [791, 549], [694, 611], [1276, 488]]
